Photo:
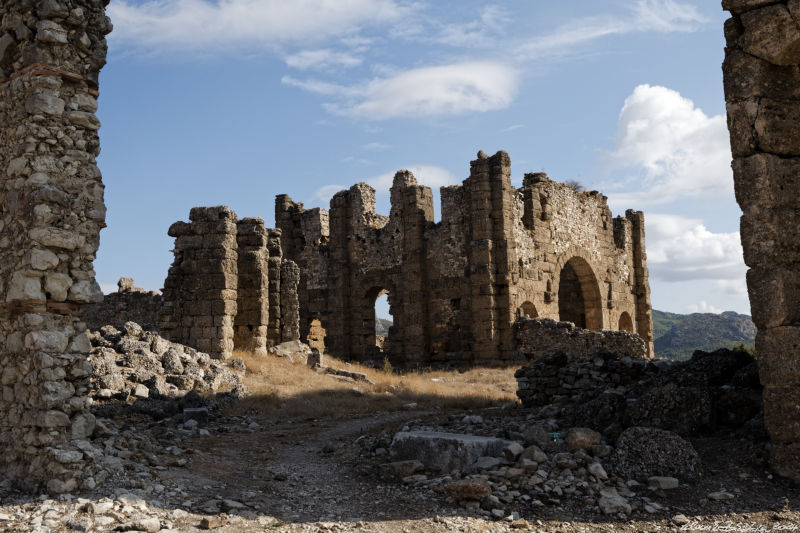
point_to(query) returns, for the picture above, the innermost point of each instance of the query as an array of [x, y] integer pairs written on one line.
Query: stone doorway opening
[[528, 310], [379, 321], [625, 322], [579, 299]]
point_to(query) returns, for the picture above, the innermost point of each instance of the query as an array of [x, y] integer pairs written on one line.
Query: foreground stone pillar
[[252, 313], [762, 90], [51, 213]]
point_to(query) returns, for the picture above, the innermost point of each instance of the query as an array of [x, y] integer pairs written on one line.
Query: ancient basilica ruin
[[455, 287]]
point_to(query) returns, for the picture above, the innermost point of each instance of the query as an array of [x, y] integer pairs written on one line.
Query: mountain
[[382, 326], [677, 336]]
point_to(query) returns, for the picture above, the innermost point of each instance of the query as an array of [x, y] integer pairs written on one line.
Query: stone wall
[[51, 213], [226, 290], [762, 90], [455, 287], [129, 303], [541, 337]]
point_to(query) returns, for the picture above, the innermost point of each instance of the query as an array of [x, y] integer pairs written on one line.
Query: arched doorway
[[378, 321], [579, 299], [528, 310], [625, 322]]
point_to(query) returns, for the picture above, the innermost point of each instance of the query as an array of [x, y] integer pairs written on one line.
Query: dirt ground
[[291, 458]]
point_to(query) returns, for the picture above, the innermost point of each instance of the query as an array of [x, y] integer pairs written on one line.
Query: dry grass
[[281, 387]]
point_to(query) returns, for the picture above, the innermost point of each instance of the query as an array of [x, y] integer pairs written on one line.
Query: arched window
[[579, 299]]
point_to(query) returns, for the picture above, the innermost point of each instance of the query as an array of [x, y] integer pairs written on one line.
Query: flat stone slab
[[444, 452]]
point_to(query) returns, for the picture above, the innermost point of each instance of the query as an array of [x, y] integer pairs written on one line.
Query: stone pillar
[[762, 90], [641, 282], [252, 299], [490, 254], [274, 287], [290, 310], [412, 208], [200, 291], [51, 213]]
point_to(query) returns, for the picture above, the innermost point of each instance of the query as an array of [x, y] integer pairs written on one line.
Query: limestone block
[[43, 259], [740, 6], [752, 77], [774, 295], [771, 34], [779, 403], [53, 419], [766, 181], [770, 236], [86, 291], [741, 118], [57, 285], [48, 31], [57, 238], [777, 127], [779, 356], [24, 287]]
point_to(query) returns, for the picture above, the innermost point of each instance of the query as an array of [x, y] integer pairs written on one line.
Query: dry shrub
[[280, 387]]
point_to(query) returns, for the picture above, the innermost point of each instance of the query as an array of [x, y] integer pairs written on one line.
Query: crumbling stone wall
[[51, 213], [762, 90], [225, 290], [541, 337], [129, 303], [455, 287]]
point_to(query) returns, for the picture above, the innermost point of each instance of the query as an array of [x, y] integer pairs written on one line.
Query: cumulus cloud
[[208, 25], [324, 194], [322, 59], [682, 249], [430, 175], [672, 147], [704, 307], [422, 92], [663, 16]]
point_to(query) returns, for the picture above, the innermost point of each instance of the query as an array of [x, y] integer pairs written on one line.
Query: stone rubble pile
[[133, 364], [609, 392], [538, 466]]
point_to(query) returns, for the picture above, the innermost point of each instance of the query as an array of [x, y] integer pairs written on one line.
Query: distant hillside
[[382, 326], [677, 336]]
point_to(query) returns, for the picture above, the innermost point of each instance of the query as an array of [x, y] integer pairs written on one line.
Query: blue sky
[[208, 102]]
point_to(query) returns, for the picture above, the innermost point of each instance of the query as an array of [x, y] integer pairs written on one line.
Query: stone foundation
[[541, 337]]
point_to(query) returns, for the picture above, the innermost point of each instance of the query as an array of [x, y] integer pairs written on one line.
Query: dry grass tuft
[[281, 387]]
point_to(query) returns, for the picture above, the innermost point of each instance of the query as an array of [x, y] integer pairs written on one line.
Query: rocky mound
[[132, 365], [608, 392]]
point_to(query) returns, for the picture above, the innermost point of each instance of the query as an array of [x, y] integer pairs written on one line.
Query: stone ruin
[[129, 304], [51, 213], [456, 286], [229, 287], [762, 89]]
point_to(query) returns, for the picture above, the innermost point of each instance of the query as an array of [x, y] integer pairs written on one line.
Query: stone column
[[762, 90], [274, 288], [201, 287], [290, 309], [641, 282], [51, 213], [252, 300]]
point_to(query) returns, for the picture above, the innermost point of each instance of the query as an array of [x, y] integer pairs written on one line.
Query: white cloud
[[732, 287], [430, 175], [664, 16], [422, 92], [209, 25], [322, 59], [682, 249], [704, 307], [376, 146], [477, 33], [324, 194], [674, 148]]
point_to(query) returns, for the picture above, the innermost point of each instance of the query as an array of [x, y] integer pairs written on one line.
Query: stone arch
[[372, 344], [579, 298], [528, 309], [625, 322]]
